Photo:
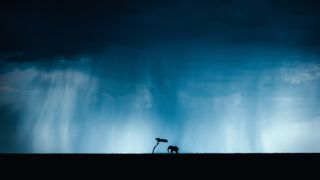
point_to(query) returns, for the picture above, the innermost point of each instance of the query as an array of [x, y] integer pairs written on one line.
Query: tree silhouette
[[159, 140]]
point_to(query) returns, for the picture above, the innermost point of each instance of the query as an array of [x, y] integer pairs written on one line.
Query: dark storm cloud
[[44, 30]]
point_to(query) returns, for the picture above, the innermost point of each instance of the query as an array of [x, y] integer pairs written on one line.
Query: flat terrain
[[162, 164]]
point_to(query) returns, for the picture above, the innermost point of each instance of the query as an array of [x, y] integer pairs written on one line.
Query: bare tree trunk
[[155, 147]]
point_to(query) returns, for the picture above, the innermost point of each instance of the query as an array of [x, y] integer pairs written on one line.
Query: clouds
[[40, 33], [62, 110], [8, 89], [73, 110], [16, 86], [291, 137], [302, 74], [48, 102], [140, 98], [274, 112], [218, 76]]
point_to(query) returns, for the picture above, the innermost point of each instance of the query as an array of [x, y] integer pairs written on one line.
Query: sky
[[221, 76]]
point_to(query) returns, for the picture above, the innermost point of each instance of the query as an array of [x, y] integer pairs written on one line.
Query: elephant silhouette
[[173, 149]]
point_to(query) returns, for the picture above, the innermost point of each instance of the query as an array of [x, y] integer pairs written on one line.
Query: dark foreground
[[163, 157], [162, 164], [222, 159]]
